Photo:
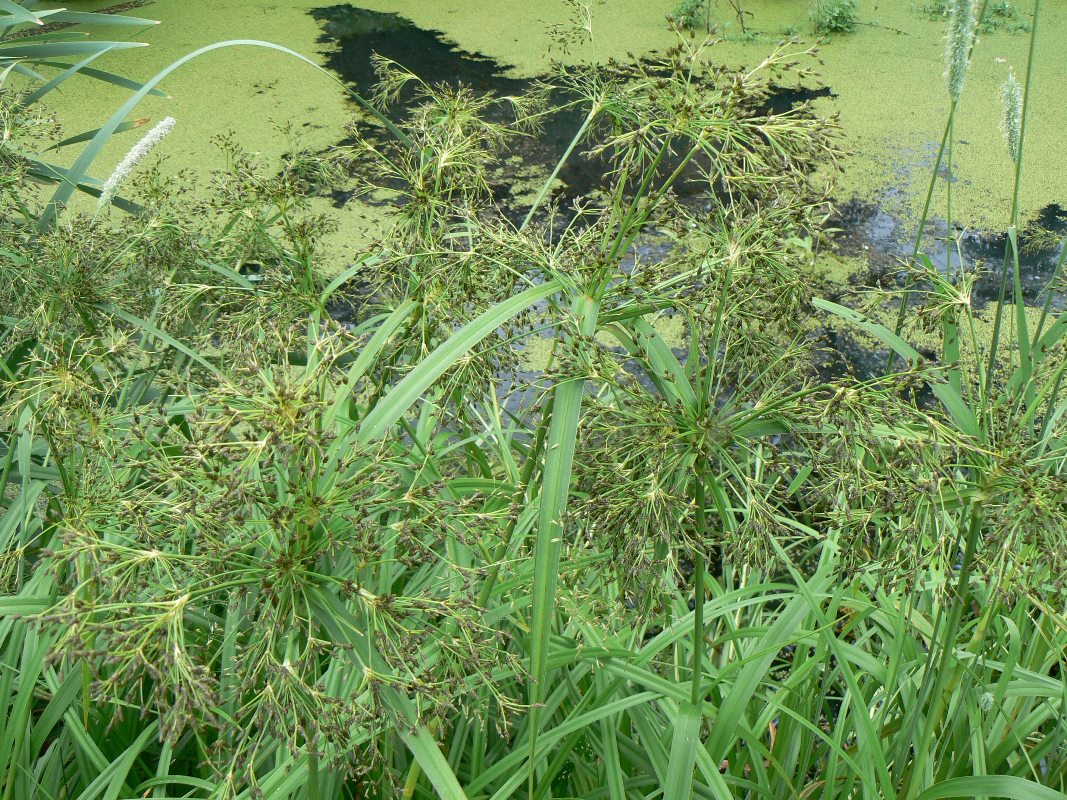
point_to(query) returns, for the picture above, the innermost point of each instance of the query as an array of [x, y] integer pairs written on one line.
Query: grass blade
[[92, 150], [555, 489], [19, 13], [401, 397], [1006, 786], [679, 784], [948, 396]]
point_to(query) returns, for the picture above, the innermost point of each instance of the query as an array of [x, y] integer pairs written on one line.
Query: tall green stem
[[910, 283], [945, 138], [699, 570], [552, 510], [1010, 252]]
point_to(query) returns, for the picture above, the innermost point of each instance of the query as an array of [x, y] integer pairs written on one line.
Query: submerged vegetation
[[271, 533]]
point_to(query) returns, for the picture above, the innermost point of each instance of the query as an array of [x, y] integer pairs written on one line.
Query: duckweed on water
[[884, 76]]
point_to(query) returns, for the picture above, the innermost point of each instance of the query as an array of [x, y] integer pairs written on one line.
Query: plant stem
[[1014, 221], [546, 187], [699, 569]]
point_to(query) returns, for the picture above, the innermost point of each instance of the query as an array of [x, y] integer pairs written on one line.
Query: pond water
[[357, 33], [884, 80]]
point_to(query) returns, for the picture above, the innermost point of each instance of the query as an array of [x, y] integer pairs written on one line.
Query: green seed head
[[1011, 96], [961, 29]]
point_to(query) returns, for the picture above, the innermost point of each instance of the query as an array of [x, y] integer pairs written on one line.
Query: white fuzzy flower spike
[[132, 158], [962, 24], [1011, 94]]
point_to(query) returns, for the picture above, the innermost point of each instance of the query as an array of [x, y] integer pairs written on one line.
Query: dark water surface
[[357, 34]]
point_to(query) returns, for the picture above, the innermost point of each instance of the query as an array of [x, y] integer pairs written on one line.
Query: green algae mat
[[885, 78]]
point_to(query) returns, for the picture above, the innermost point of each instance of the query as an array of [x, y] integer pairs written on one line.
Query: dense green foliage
[[691, 14], [834, 16], [253, 548]]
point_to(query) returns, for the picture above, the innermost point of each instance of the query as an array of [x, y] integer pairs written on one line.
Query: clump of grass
[[834, 16], [690, 14]]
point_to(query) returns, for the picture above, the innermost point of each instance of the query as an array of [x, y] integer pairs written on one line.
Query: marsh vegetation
[[270, 530]]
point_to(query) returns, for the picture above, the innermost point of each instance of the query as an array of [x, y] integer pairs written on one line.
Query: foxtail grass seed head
[[962, 24], [132, 158], [1011, 95]]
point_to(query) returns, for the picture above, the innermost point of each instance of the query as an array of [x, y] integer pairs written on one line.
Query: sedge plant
[[251, 548]]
